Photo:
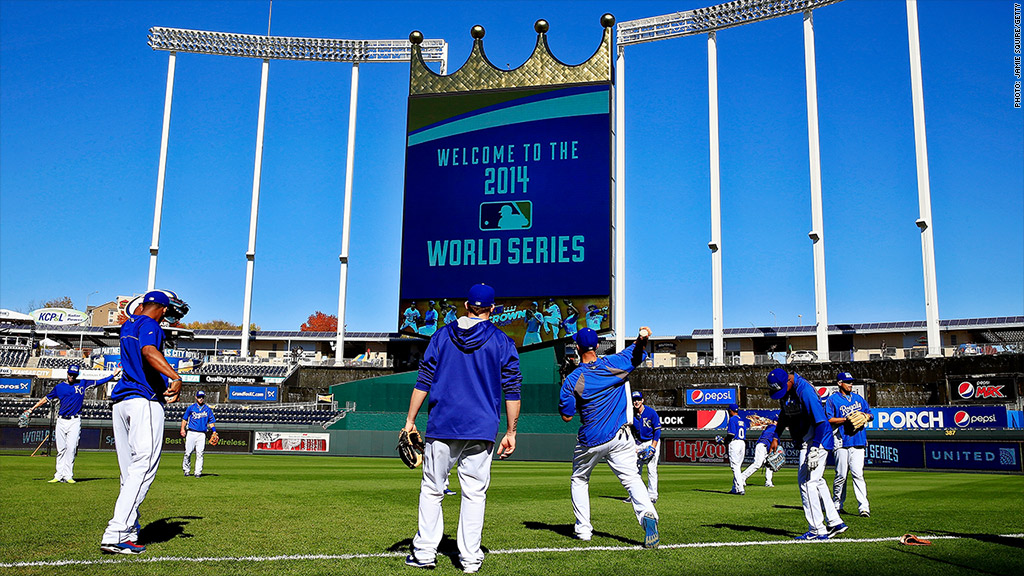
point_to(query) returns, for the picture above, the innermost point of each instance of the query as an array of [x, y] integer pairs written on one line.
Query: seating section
[[225, 413], [60, 362], [240, 369], [14, 357]]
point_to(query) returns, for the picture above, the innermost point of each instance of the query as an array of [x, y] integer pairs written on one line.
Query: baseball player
[[596, 389], [572, 317], [467, 367], [534, 320], [553, 319], [450, 313], [850, 448], [760, 455], [70, 395], [647, 432], [736, 440], [411, 315], [801, 412], [194, 423], [429, 320], [147, 383], [596, 316]]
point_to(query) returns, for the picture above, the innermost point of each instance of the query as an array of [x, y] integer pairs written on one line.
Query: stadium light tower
[[269, 48]]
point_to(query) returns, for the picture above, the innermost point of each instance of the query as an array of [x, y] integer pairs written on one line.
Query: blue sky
[[81, 105]]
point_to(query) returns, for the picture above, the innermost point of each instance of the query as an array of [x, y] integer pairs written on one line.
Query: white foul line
[[509, 551]]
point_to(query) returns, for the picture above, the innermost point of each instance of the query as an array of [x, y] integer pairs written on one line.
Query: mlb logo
[[506, 215]]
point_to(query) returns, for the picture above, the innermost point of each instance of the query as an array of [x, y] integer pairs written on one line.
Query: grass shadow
[[785, 507], [744, 528], [713, 491], [963, 567], [448, 547], [165, 529], [567, 531], [990, 538]]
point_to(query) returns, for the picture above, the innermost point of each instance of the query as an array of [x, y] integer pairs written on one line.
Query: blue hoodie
[[465, 371]]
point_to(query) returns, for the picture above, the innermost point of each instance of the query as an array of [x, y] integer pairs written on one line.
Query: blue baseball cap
[[157, 296], [778, 381], [73, 370], [638, 395], [734, 407], [844, 377], [481, 295], [200, 393], [586, 339]]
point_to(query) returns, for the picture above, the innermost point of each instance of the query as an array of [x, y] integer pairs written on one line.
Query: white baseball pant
[[760, 455], [652, 469], [194, 440], [138, 437], [814, 494], [850, 460], [67, 434], [620, 452], [473, 458], [737, 450]]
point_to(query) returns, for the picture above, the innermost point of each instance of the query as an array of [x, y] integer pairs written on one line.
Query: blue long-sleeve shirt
[[466, 371], [646, 425], [597, 391], [199, 418], [801, 411], [72, 395], [840, 406]]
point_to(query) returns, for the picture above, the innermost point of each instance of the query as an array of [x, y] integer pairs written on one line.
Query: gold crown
[[541, 69]]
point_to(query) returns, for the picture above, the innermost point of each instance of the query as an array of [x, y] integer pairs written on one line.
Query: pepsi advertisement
[[513, 189], [711, 396], [938, 418], [983, 389]]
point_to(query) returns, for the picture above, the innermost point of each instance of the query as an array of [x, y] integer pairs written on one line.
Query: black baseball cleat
[[411, 560], [865, 514]]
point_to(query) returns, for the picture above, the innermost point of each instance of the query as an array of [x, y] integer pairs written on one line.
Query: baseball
[[645, 333]]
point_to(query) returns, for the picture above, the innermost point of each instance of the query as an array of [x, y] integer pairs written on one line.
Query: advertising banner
[[824, 391], [230, 441], [983, 390], [59, 316], [511, 188], [24, 438], [711, 396], [15, 385], [712, 419], [252, 393], [677, 418], [292, 441], [894, 454], [992, 456], [702, 450], [938, 417]]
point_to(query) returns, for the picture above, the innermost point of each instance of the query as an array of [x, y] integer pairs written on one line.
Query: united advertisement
[[511, 188]]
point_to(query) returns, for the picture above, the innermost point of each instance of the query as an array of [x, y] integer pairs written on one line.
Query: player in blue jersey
[[450, 313], [596, 389], [198, 418], [760, 455], [850, 447], [552, 318], [572, 318], [68, 429], [534, 320], [736, 440], [147, 382], [467, 368], [596, 316], [647, 433], [429, 320], [411, 315], [801, 412]]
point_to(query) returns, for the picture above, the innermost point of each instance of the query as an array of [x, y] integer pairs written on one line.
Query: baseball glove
[[776, 459], [646, 455], [410, 448], [719, 439], [214, 439], [23, 419], [857, 420]]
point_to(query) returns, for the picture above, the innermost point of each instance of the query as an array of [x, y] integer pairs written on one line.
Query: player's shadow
[[990, 538], [785, 507], [205, 475], [745, 528], [165, 529], [713, 491], [567, 531], [448, 547]]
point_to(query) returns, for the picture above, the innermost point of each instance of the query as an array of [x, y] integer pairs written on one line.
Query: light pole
[[88, 320], [800, 317], [775, 320]]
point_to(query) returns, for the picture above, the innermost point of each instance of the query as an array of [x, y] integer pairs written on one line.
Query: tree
[[320, 322], [218, 325], [64, 302]]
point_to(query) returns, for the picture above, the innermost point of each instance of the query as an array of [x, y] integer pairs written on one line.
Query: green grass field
[[362, 513]]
